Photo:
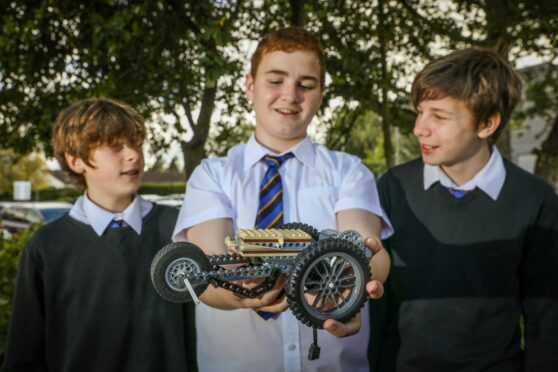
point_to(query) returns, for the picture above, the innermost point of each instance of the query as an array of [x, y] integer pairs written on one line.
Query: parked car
[[15, 216]]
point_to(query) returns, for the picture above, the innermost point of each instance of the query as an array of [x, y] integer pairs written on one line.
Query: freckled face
[[286, 94]]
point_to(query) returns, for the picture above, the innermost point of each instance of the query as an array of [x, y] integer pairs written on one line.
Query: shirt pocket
[[316, 206]]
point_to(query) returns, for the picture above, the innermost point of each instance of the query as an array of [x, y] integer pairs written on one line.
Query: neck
[[465, 170], [278, 146]]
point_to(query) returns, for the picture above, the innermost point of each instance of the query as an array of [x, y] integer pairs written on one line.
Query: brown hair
[[88, 124], [288, 40], [481, 78]]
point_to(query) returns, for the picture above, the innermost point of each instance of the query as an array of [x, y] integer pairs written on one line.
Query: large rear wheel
[[328, 281]]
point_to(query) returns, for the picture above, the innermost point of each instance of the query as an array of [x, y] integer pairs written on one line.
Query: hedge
[[70, 194], [10, 251]]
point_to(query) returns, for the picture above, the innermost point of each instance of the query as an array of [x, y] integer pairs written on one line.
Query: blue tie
[[270, 208], [458, 194], [115, 224]]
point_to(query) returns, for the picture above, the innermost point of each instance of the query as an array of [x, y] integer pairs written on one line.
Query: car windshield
[[53, 213]]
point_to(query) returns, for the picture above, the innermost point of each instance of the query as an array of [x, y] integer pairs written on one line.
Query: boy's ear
[[490, 126], [249, 87], [76, 164]]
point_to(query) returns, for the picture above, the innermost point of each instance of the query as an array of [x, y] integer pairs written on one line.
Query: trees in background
[[181, 63], [168, 57], [16, 167]]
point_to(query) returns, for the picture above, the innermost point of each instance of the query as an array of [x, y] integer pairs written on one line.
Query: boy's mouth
[[131, 172], [287, 111], [427, 149]]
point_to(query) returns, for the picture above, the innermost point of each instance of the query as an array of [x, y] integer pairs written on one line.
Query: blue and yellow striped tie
[[270, 208]]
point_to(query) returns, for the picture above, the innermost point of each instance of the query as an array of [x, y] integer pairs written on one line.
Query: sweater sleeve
[[540, 292], [25, 349]]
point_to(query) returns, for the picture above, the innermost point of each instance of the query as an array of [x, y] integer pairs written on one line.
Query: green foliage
[[10, 251], [359, 133], [14, 167], [185, 58], [227, 136], [70, 194], [164, 57], [162, 188]]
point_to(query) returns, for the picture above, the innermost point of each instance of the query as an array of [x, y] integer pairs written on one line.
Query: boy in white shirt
[[317, 186]]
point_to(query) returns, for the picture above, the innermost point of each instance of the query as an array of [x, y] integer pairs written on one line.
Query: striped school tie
[[270, 208]]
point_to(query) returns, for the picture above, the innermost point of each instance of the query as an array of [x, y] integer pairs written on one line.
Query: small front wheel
[[172, 264], [328, 281]]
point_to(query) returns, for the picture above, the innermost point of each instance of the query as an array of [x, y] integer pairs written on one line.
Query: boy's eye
[[438, 117], [275, 82], [307, 86]]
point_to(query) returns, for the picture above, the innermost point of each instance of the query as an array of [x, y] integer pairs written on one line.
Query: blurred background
[[182, 64]]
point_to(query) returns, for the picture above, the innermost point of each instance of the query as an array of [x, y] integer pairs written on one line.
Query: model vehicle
[[327, 271]]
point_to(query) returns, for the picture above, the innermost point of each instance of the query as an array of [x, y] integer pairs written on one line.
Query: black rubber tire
[[173, 257], [312, 231], [305, 270]]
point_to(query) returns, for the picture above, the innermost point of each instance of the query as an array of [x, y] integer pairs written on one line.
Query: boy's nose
[[131, 153], [421, 128], [290, 93]]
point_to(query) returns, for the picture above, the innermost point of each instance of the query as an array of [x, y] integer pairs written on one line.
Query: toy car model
[[327, 271]]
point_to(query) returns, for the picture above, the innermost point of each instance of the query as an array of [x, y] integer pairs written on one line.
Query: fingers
[[273, 300], [277, 306], [375, 289], [374, 244], [339, 329]]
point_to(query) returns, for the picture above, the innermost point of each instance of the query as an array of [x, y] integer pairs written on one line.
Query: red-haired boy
[[319, 187]]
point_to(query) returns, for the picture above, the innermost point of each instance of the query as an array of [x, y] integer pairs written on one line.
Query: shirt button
[[292, 347]]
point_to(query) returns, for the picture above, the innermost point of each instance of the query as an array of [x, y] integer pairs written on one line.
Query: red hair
[[288, 40]]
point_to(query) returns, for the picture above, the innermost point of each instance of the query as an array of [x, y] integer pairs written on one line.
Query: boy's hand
[[375, 290], [273, 301]]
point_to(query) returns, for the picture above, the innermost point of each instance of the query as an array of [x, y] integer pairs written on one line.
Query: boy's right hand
[[273, 301]]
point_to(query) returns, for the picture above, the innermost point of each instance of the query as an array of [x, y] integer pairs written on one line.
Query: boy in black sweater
[[476, 238], [83, 299]]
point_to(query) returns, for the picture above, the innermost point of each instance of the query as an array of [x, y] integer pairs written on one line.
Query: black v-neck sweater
[[85, 302], [463, 270]]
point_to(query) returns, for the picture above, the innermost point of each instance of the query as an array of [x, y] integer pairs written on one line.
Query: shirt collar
[[490, 179], [254, 152], [99, 218]]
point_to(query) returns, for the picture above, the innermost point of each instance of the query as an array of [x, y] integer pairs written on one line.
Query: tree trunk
[[500, 41], [297, 12], [386, 130], [547, 159], [194, 151]]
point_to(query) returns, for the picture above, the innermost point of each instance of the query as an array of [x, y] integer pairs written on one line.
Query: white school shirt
[[86, 211], [317, 183], [489, 179]]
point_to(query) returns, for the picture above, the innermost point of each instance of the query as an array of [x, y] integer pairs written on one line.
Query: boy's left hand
[[375, 290]]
